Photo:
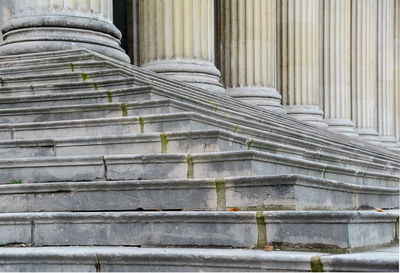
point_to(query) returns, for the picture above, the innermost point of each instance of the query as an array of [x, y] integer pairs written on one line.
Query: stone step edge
[[120, 167], [87, 259], [139, 121], [254, 229], [224, 190], [48, 54]]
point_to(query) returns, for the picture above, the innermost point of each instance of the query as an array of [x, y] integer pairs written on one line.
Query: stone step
[[171, 142], [51, 88], [178, 166], [183, 121], [41, 58], [81, 66], [35, 80], [145, 93], [284, 192], [133, 259], [89, 111], [308, 230]]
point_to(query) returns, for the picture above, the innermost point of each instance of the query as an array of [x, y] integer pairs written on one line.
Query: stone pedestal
[[248, 57], [336, 72], [364, 69], [177, 40], [300, 59], [44, 25]]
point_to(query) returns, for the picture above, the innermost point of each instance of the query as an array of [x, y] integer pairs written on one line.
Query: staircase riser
[[197, 229], [192, 196], [171, 167]]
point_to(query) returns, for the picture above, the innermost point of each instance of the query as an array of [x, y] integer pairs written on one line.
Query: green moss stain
[[109, 96], [190, 166], [236, 129], [164, 143], [84, 76], [15, 181], [96, 86], [72, 67], [396, 229], [141, 123], [1, 81], [316, 264], [124, 110], [97, 264], [221, 194], [262, 230], [249, 144], [324, 172]]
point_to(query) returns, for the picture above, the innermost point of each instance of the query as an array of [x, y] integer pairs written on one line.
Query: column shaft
[[386, 91], [247, 40], [177, 40], [44, 25], [397, 69], [364, 68], [300, 59], [336, 60]]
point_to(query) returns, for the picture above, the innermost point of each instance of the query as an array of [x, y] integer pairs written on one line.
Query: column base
[[34, 34], [389, 142], [342, 126], [267, 98], [369, 136], [197, 72], [309, 113]]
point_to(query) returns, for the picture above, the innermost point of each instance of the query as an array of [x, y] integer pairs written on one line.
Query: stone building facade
[[334, 64]]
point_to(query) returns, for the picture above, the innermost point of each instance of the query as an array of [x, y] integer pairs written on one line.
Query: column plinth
[[37, 26], [247, 39], [177, 40], [299, 62]]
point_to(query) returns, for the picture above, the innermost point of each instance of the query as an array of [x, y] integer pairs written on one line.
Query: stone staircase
[[109, 167]]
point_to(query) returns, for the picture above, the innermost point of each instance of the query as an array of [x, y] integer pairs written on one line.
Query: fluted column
[[48, 25], [336, 59], [364, 69], [247, 42], [397, 71], [300, 59], [177, 40], [386, 91], [5, 14]]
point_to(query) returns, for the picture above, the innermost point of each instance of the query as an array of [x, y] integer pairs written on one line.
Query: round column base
[[267, 98], [389, 142], [53, 33], [309, 113], [200, 73], [342, 126], [369, 136]]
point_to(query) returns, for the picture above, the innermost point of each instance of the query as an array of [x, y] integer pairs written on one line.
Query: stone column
[[5, 14], [386, 91], [300, 59], [49, 25], [336, 66], [364, 69], [397, 71], [177, 40], [248, 57]]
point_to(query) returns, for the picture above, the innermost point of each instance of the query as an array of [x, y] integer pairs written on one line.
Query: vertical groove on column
[[336, 63], [299, 65], [364, 68], [397, 68], [386, 59], [247, 37]]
